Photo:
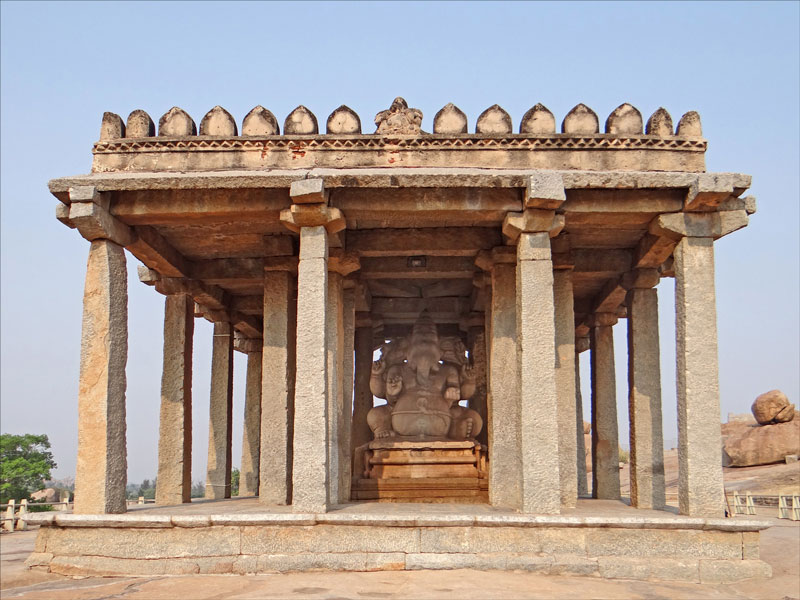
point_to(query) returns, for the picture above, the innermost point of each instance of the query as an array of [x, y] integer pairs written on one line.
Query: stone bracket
[[602, 319], [342, 262], [713, 225], [298, 216], [709, 190], [281, 263], [545, 190], [486, 259], [642, 279], [532, 220], [88, 213]]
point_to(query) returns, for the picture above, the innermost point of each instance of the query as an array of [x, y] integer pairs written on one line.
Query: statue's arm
[[377, 384]]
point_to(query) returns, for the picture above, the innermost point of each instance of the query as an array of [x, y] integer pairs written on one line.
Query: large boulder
[[45, 495], [761, 445], [773, 407]]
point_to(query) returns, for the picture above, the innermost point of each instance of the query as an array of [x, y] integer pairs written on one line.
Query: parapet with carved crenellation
[[177, 144]]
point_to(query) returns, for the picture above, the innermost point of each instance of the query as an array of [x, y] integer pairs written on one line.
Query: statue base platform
[[413, 470]]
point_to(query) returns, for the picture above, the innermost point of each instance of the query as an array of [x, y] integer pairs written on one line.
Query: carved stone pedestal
[[421, 471]]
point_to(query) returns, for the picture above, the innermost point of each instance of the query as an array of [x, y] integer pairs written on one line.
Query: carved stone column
[[476, 340], [581, 345], [605, 433], [565, 385], [220, 422], [251, 435], [505, 461], [277, 388], [700, 485], [100, 474], [314, 471], [362, 398], [174, 481], [644, 392]]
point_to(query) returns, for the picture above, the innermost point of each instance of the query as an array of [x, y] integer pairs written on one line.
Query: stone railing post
[[11, 515]]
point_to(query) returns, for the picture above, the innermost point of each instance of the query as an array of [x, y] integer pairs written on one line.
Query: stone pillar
[[174, 480], [581, 345], [605, 435], [565, 385], [310, 473], [362, 398], [251, 435], [346, 421], [644, 398], [476, 340], [277, 388], [334, 324], [218, 480], [505, 462], [700, 485], [101, 470], [536, 361]]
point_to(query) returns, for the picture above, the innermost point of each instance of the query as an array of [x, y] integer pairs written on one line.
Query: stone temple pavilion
[[480, 262]]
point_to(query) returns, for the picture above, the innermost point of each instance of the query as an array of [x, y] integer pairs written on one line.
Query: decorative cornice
[[417, 142]]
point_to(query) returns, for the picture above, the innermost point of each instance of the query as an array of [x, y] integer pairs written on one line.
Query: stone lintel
[[711, 225], [152, 249], [640, 279], [313, 215], [545, 190], [709, 190], [308, 191], [603, 319], [342, 262]]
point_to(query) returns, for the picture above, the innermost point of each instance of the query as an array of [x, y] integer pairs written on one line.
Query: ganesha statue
[[422, 378]]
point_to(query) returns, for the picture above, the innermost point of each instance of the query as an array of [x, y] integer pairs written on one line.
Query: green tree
[[25, 464], [235, 482]]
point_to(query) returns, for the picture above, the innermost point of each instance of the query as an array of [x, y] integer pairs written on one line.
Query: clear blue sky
[[63, 64]]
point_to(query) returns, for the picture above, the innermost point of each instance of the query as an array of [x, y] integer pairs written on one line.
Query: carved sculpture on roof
[[399, 119], [423, 378]]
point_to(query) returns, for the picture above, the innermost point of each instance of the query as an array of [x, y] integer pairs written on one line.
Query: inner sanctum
[[412, 304]]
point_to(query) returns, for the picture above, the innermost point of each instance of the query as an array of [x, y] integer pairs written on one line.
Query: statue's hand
[[452, 394], [378, 366], [468, 372]]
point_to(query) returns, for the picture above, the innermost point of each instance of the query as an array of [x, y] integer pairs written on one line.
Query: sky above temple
[[64, 64]]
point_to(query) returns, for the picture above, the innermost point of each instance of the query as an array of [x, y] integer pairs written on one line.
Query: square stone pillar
[[476, 341], [277, 388], [581, 345], [334, 324], [700, 485], [101, 470], [505, 461], [536, 361], [220, 422], [362, 397], [644, 399], [346, 421], [565, 385], [174, 480], [251, 434], [605, 434], [310, 472]]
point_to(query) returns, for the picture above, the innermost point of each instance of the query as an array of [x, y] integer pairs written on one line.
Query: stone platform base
[[430, 471], [645, 548]]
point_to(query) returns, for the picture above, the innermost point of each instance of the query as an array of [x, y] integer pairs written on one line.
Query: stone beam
[[434, 241], [411, 307], [400, 267], [152, 249], [601, 261], [653, 250]]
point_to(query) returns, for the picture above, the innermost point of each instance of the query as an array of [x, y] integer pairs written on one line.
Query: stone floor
[[586, 508], [780, 547]]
